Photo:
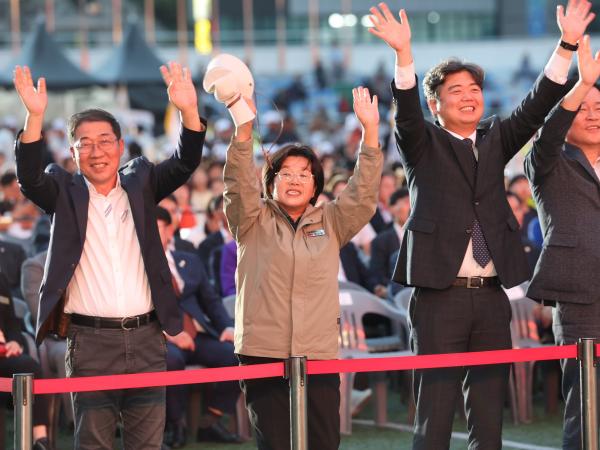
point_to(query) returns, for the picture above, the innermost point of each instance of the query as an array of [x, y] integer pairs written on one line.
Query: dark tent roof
[[132, 62], [46, 59]]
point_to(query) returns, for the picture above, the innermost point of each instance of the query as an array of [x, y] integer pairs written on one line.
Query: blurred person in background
[[14, 360], [200, 195], [206, 339], [519, 185], [288, 262], [388, 241], [519, 209], [564, 169], [383, 218], [461, 234], [170, 203]]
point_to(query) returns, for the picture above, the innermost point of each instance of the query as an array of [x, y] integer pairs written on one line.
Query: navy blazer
[[447, 191], [199, 299], [65, 197], [567, 192]]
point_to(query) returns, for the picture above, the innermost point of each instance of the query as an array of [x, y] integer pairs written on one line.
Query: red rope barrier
[[138, 380]]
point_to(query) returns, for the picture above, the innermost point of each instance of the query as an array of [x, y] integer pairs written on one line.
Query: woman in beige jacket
[[288, 261]]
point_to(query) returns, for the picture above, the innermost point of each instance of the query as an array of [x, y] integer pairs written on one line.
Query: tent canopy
[[46, 59], [133, 62]]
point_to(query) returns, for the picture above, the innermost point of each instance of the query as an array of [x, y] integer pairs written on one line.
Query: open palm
[[589, 65], [385, 26], [180, 87], [573, 22], [34, 99], [365, 108]]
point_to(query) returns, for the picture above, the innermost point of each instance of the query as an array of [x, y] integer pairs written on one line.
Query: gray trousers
[[100, 351], [572, 321]]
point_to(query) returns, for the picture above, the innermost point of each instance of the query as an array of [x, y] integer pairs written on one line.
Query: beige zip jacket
[[286, 280]]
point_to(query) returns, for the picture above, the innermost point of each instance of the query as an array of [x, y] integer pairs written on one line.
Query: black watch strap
[[568, 46]]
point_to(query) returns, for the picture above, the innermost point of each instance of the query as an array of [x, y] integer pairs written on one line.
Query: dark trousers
[[26, 364], [100, 351], [209, 352], [455, 320], [268, 404], [571, 322]]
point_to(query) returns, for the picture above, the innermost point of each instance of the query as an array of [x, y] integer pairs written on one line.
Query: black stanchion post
[[296, 373], [22, 391], [586, 354]]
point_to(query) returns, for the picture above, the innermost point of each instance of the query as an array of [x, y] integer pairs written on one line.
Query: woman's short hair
[[269, 172]]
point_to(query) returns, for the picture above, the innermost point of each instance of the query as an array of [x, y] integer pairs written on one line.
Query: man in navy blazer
[[206, 340], [107, 284], [565, 180], [462, 242]]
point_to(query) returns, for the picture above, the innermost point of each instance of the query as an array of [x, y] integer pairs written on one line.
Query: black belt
[[476, 282], [126, 323]]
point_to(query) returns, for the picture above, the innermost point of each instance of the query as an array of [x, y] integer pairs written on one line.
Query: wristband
[[568, 46]]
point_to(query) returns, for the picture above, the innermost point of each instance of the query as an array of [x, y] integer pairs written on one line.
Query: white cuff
[[404, 76], [557, 68]]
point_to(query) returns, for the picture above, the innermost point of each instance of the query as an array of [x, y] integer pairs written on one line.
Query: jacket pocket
[[561, 240], [421, 225]]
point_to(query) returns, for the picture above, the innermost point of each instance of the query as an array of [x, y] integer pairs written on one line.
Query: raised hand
[[366, 110], [394, 33], [588, 64], [180, 87], [34, 99], [367, 113], [182, 94], [573, 21]]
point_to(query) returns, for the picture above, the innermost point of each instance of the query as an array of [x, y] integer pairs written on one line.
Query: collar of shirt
[[596, 167], [472, 136], [174, 271], [92, 188]]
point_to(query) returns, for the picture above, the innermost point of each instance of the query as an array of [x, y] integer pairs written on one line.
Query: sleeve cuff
[[557, 68], [404, 76]]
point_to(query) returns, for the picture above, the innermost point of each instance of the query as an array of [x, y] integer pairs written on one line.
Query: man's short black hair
[[163, 215], [277, 159], [92, 115], [7, 178], [397, 195], [436, 76], [215, 204], [511, 194]]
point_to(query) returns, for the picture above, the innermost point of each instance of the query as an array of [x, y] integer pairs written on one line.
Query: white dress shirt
[[110, 279], [556, 70]]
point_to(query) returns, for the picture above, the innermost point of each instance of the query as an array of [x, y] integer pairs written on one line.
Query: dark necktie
[[481, 253]]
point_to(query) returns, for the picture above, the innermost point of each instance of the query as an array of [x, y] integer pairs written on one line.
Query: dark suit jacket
[[378, 223], [447, 193], [567, 192], [9, 324], [199, 299], [382, 248], [65, 197], [12, 257], [356, 271], [207, 246]]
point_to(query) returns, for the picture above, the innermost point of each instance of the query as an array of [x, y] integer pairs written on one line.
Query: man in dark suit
[[462, 241], [12, 257], [566, 187], [388, 241], [207, 340], [107, 283], [354, 270]]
